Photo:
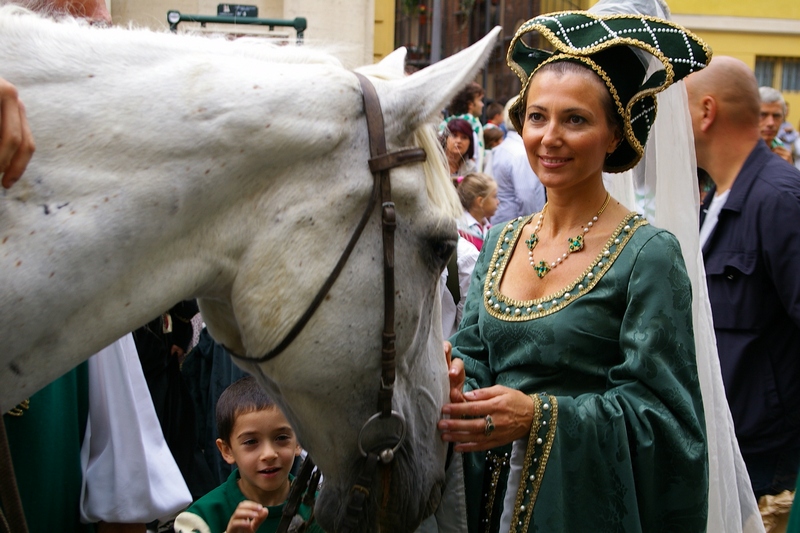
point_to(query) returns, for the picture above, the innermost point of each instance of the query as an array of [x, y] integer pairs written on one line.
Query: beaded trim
[[20, 409], [540, 442], [509, 309], [495, 464]]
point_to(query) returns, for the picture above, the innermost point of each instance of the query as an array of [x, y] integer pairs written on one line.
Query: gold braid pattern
[[540, 442], [496, 464]]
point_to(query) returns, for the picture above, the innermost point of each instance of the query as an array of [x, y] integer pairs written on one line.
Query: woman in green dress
[[573, 375]]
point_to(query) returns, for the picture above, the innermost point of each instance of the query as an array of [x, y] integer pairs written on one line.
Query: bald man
[[750, 235]]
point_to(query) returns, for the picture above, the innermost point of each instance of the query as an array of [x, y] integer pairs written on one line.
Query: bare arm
[[16, 140]]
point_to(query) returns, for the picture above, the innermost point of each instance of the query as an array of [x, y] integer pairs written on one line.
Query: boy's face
[[263, 446]]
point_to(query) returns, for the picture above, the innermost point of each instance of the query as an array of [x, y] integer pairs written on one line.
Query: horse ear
[[395, 62], [413, 100], [391, 67]]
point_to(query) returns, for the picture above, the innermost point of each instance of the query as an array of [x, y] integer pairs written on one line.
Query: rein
[[380, 163]]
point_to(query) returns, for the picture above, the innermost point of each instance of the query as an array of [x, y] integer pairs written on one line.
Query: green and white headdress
[[609, 45]]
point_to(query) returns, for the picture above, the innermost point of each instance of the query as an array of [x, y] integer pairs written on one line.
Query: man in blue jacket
[[750, 235]]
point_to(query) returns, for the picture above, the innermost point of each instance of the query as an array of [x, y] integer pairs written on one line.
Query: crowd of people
[[576, 403]]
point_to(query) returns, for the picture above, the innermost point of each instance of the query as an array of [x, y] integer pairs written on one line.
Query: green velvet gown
[[618, 442]]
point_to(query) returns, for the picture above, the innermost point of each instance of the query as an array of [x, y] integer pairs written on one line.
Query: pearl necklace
[[575, 243]]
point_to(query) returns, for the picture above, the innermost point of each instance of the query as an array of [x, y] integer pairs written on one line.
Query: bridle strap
[[302, 484], [359, 494], [323, 291], [380, 163]]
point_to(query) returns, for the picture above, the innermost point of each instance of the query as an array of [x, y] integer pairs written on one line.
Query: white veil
[[664, 187]]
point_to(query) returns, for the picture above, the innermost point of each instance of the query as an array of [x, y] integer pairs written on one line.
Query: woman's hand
[[466, 423], [247, 517], [456, 374], [16, 140]]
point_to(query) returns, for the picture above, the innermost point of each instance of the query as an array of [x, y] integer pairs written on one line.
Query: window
[[790, 80], [765, 71], [783, 73]]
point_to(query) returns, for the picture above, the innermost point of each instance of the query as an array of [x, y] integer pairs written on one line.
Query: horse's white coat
[[171, 167]]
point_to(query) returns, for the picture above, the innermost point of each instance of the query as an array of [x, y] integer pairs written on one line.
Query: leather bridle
[[380, 163]]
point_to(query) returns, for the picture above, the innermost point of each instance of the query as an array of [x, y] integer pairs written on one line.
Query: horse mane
[[438, 184], [437, 177]]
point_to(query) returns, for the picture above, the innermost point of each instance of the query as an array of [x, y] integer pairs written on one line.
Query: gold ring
[[489, 426]]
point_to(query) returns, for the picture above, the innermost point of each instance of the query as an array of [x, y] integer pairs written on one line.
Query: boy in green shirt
[[257, 438]]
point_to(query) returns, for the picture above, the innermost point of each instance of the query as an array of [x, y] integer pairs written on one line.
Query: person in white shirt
[[518, 188]]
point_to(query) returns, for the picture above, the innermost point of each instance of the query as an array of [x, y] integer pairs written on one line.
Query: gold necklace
[[575, 243]]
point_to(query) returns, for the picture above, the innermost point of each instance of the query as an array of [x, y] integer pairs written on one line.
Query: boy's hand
[[247, 517]]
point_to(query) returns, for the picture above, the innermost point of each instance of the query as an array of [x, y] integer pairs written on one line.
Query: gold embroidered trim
[[509, 309], [496, 468], [556, 42], [540, 443], [20, 409]]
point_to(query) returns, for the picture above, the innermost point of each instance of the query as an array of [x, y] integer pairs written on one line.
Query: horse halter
[[380, 163]]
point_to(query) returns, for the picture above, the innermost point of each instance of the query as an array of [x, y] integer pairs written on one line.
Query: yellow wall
[[786, 9], [549, 6], [747, 45], [384, 28]]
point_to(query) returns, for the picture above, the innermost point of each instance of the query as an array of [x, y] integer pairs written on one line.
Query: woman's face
[[565, 131], [457, 143]]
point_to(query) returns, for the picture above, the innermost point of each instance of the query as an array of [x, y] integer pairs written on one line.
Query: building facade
[[462, 22], [347, 28], [765, 35]]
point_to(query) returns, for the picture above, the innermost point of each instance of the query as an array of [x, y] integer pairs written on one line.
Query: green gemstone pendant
[[541, 269], [575, 244], [532, 241]]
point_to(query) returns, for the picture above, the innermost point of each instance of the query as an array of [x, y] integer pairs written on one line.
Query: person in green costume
[[573, 378], [255, 436], [45, 435], [794, 516]]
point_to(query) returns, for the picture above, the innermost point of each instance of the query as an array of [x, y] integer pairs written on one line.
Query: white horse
[[171, 167]]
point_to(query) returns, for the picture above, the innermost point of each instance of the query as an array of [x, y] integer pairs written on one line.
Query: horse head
[[336, 360], [171, 167]]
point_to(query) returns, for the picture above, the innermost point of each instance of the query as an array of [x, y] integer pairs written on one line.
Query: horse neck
[[154, 172]]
